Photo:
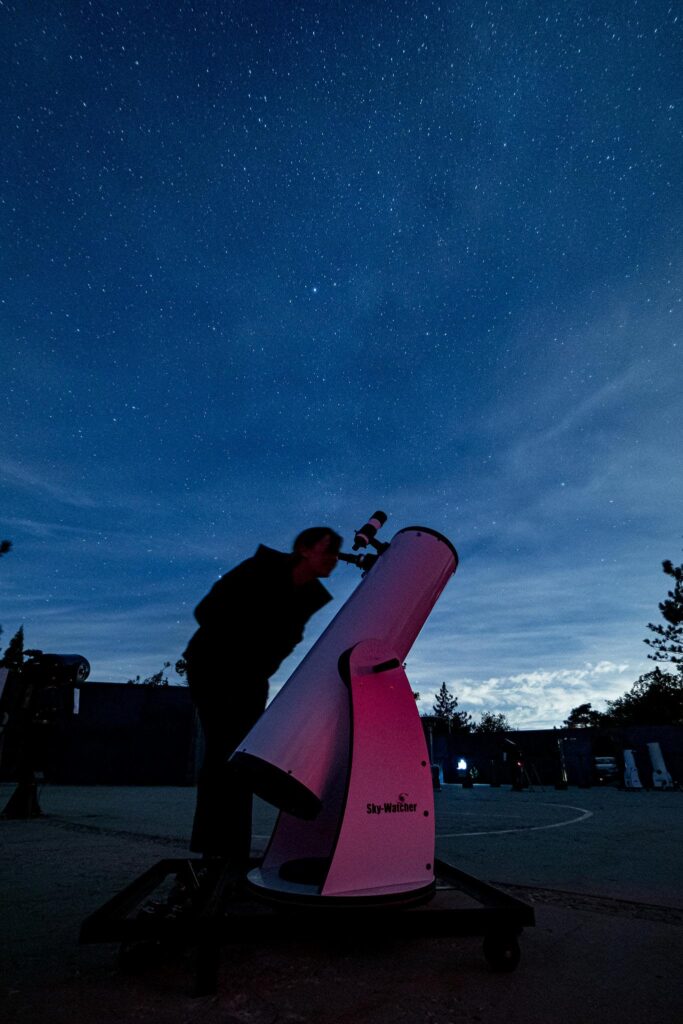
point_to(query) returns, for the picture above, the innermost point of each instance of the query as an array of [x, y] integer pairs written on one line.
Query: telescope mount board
[[220, 909]]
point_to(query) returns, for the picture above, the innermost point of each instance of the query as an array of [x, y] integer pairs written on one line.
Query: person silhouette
[[250, 621]]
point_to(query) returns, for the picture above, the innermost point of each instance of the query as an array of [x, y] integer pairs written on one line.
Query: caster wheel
[[501, 952]]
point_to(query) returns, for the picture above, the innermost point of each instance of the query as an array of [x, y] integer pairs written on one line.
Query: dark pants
[[222, 820]]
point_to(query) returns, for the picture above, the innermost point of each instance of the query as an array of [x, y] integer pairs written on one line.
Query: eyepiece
[[351, 559]]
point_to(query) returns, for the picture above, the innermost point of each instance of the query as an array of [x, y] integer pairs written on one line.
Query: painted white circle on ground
[[525, 828]]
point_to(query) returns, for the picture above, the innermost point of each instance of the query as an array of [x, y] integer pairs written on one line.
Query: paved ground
[[602, 867]]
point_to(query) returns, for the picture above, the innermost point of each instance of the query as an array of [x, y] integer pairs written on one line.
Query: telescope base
[[221, 908]]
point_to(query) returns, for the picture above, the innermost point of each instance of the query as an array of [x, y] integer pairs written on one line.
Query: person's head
[[316, 551]]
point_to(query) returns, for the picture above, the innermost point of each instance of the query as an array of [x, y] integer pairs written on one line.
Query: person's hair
[[307, 538]]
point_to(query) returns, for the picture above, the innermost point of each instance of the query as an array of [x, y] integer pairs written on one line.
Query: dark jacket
[[253, 617]]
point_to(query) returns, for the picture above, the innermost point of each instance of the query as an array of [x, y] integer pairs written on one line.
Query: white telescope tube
[[296, 751], [660, 776], [631, 776]]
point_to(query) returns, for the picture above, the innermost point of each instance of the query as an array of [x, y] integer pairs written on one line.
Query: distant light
[[462, 765]]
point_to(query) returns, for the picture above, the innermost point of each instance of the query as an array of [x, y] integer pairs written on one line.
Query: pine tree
[[444, 708], [5, 546], [445, 704], [668, 640], [13, 658]]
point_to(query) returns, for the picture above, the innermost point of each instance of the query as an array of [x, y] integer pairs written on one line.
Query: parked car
[[606, 770]]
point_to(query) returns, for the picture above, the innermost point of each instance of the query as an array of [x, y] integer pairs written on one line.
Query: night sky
[[266, 265]]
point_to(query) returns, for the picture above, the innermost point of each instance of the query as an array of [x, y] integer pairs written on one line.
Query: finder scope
[[367, 532]]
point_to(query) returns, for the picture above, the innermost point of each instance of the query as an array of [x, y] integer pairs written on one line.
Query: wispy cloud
[[39, 483]]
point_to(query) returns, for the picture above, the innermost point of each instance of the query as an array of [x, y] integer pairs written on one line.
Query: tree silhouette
[[668, 640], [654, 699], [13, 658], [160, 678], [444, 709], [583, 716], [156, 679], [445, 704], [491, 723], [5, 546]]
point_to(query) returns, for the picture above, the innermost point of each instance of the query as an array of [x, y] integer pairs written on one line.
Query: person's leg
[[223, 814], [222, 820]]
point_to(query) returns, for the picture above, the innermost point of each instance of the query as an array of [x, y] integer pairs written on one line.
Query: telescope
[[32, 700], [342, 753], [341, 750]]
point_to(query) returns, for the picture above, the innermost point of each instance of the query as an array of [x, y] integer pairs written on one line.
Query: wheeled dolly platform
[[192, 903]]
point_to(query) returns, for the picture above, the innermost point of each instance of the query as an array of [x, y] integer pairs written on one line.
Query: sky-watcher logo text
[[391, 808]]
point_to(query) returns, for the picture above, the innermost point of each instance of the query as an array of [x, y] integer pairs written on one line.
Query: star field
[[268, 265]]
